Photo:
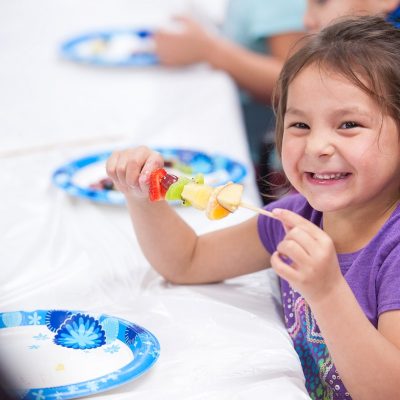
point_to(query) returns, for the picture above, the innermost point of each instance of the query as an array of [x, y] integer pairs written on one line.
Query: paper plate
[[76, 176], [61, 354], [113, 48]]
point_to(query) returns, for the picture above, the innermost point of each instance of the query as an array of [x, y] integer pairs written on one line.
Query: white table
[[224, 341]]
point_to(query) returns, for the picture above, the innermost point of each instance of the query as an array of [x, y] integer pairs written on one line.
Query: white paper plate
[[61, 354]]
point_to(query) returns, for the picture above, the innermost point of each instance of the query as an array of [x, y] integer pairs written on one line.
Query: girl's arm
[[170, 245], [367, 359], [253, 72]]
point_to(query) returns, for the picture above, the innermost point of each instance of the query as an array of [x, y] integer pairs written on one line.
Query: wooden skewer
[[257, 209]]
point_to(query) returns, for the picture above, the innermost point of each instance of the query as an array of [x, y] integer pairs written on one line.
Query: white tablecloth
[[224, 341]]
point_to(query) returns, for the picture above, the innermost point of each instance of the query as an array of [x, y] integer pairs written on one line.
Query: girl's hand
[[306, 257], [188, 46], [130, 170]]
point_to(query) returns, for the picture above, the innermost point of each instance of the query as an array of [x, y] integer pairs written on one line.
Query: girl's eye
[[299, 125], [349, 125]]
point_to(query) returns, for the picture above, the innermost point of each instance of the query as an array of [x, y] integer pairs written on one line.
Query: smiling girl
[[335, 245]]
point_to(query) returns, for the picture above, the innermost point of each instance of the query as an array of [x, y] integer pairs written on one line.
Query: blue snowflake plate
[[112, 48], [77, 176], [61, 354]]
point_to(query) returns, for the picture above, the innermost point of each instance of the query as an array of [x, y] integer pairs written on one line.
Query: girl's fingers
[[284, 270], [133, 169], [290, 220], [130, 169], [153, 162], [111, 165], [303, 239], [136, 159], [294, 251]]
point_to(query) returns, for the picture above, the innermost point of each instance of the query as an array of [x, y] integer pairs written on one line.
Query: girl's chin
[[324, 205]]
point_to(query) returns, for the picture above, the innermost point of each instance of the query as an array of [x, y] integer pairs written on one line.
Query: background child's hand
[[130, 170], [185, 47], [306, 257]]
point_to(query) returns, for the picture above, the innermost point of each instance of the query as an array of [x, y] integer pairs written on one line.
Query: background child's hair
[[365, 50]]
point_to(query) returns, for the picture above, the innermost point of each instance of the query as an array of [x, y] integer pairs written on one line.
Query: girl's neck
[[351, 231]]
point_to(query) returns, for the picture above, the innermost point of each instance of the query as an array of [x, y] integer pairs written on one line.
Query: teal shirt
[[250, 22]]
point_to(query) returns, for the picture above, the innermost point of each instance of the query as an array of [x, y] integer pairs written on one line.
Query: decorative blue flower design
[[38, 395], [131, 332], [40, 336], [111, 328], [80, 332], [34, 319], [11, 319], [55, 318], [112, 349]]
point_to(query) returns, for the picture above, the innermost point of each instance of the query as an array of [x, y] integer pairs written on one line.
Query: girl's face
[[321, 12], [338, 150]]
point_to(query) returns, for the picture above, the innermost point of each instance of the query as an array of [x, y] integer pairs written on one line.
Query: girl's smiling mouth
[[324, 178]]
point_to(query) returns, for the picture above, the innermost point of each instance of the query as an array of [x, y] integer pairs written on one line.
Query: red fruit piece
[[156, 191], [167, 181]]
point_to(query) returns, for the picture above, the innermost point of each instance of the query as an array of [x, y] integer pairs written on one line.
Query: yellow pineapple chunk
[[214, 210], [197, 195], [230, 196]]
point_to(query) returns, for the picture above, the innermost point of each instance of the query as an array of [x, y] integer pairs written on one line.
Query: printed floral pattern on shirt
[[322, 380]]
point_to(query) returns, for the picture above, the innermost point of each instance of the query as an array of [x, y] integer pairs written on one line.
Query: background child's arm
[[254, 72], [170, 245]]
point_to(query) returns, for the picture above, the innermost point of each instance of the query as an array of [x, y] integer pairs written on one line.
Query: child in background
[[258, 35], [335, 244], [320, 13]]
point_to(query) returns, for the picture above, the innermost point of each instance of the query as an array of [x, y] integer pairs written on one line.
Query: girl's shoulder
[[387, 238], [271, 231]]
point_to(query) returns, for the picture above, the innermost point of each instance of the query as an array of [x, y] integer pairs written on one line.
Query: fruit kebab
[[218, 202]]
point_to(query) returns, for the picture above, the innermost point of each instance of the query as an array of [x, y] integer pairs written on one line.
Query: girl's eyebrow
[[295, 111], [341, 112]]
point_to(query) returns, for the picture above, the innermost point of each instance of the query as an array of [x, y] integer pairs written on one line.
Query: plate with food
[[85, 177], [112, 48], [64, 354]]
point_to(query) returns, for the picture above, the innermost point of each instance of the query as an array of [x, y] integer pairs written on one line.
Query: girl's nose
[[319, 144]]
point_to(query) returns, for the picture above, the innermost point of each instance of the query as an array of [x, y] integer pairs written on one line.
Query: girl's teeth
[[329, 176]]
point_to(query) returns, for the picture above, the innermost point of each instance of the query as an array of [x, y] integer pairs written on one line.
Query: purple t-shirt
[[373, 274]]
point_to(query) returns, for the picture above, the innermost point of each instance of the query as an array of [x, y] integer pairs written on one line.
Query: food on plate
[[178, 165], [103, 184]]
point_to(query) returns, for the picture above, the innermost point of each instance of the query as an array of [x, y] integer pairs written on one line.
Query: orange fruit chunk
[[214, 210]]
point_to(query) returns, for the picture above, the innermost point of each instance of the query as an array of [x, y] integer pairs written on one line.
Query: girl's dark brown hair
[[365, 50]]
